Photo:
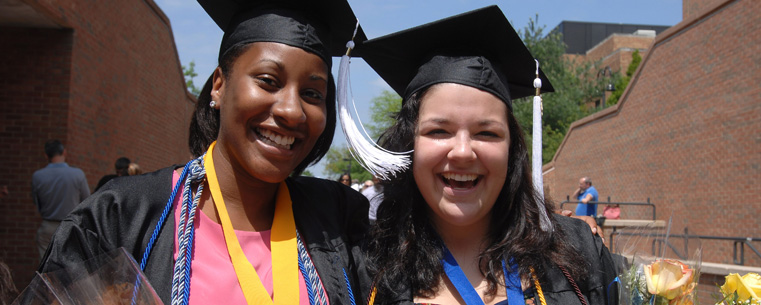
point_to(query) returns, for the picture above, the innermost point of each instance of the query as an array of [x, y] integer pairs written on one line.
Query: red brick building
[[103, 78], [686, 132], [608, 45]]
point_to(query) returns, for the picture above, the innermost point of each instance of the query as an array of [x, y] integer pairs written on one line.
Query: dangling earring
[[213, 104]]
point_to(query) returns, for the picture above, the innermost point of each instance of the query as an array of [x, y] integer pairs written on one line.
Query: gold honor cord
[[282, 240]]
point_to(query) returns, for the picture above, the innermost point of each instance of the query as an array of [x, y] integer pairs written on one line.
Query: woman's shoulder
[[328, 209], [131, 194], [149, 180], [322, 189], [573, 226], [122, 213], [593, 251]]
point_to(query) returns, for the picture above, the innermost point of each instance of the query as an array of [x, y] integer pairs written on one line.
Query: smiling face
[[461, 153], [272, 109]]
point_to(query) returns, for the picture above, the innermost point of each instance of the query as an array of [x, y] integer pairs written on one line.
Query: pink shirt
[[212, 278]]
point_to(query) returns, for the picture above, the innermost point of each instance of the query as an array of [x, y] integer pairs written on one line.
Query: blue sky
[[197, 37]]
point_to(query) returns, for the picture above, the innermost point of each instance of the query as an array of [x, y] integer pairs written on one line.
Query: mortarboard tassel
[[536, 155], [375, 159]]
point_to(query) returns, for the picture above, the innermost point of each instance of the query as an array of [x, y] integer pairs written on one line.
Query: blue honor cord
[[466, 290]]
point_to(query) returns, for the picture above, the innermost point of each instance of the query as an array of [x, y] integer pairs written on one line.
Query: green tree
[[382, 111], [339, 161], [622, 82], [307, 173], [190, 73], [573, 82]]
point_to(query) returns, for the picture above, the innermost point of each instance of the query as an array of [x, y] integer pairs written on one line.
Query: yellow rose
[[748, 287], [668, 278]]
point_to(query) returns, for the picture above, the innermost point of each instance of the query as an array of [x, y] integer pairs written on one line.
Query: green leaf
[[190, 73]]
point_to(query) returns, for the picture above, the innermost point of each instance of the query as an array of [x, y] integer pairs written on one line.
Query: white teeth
[[277, 139], [459, 177]]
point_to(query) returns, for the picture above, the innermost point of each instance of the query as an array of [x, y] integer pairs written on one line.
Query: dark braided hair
[[204, 124], [405, 248]]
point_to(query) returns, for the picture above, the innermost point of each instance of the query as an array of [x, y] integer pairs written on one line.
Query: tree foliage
[[382, 112], [623, 82], [190, 72], [574, 83], [339, 161]]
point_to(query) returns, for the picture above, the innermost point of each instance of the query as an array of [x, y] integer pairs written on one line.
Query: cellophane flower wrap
[[738, 289], [111, 278], [657, 267]]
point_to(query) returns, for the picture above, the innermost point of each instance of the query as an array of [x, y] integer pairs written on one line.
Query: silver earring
[[213, 104]]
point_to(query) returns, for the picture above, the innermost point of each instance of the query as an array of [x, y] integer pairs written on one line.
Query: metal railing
[[660, 240], [648, 203]]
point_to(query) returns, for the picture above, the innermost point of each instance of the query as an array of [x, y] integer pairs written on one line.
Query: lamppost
[[348, 166], [609, 87]]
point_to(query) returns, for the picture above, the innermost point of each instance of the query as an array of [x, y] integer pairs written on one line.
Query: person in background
[[134, 169], [345, 179], [365, 185], [355, 185], [373, 192], [120, 166], [464, 224], [56, 190], [584, 194]]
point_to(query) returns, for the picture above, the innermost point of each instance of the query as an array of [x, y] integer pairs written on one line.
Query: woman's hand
[[597, 230]]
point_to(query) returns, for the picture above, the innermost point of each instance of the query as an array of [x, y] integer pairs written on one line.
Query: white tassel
[[536, 156], [380, 162]]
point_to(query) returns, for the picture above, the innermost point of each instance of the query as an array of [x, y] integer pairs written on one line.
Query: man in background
[[56, 189], [584, 194], [121, 166], [374, 193]]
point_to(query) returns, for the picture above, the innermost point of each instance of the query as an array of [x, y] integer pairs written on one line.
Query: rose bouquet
[[657, 267], [112, 278], [738, 289]]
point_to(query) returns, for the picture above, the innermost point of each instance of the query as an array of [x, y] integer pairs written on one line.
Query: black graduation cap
[[322, 27], [478, 48]]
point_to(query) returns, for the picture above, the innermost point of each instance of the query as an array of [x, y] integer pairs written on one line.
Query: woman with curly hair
[[464, 224]]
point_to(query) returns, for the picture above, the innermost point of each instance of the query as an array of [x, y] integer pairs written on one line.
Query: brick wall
[[616, 51], [35, 72], [695, 8], [685, 134], [109, 86]]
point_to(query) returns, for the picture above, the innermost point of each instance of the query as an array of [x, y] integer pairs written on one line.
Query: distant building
[[581, 37], [606, 44], [104, 78]]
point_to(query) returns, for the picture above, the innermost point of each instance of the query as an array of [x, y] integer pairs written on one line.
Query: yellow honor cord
[[539, 291], [282, 240], [371, 301]]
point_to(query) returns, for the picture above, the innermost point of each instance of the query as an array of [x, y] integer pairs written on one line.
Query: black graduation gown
[[330, 217], [558, 291]]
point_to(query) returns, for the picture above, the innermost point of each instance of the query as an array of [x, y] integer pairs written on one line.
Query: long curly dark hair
[[204, 124], [404, 238]]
